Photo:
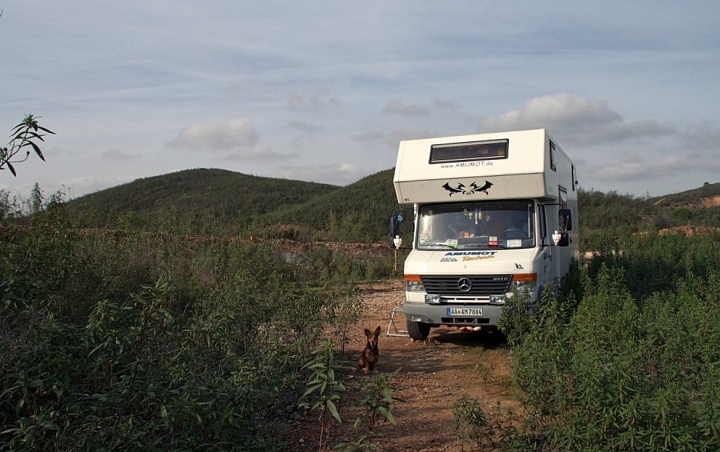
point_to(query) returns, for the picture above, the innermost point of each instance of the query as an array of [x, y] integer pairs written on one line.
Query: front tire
[[417, 330]]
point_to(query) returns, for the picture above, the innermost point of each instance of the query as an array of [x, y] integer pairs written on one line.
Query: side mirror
[[395, 225], [395, 229], [565, 220], [561, 238]]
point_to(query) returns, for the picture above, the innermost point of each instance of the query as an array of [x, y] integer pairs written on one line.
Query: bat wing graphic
[[485, 187], [473, 188], [453, 190]]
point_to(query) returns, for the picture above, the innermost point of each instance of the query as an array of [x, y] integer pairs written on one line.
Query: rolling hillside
[[213, 201], [199, 195], [706, 196]]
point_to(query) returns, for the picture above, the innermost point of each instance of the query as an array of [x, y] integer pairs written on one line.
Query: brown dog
[[370, 355]]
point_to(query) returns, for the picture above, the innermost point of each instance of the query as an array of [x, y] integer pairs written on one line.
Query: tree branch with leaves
[[24, 136]]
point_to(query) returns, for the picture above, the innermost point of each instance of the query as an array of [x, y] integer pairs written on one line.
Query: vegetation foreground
[[131, 340]]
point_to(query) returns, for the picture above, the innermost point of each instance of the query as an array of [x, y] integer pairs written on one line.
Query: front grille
[[481, 285], [459, 320]]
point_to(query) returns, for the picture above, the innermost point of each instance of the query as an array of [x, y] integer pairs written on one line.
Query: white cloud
[[263, 153], [371, 137], [397, 135], [686, 157], [614, 153], [303, 126], [676, 163], [396, 106], [633, 167], [704, 136], [211, 136], [118, 155], [576, 120], [609, 81], [311, 100], [447, 105], [390, 139], [335, 174], [238, 139]]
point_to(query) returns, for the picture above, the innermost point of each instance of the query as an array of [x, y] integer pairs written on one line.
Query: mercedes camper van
[[494, 214]]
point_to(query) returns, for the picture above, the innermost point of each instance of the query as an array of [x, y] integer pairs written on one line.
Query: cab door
[[560, 253]]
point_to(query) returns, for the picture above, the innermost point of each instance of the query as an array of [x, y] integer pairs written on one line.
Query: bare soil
[[434, 375]]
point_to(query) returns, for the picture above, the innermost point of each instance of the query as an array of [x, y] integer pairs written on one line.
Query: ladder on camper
[[392, 329]]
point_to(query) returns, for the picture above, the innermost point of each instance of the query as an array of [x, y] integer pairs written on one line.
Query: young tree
[[23, 135], [36, 199]]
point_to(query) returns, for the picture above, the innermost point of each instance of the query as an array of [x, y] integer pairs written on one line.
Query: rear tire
[[417, 330]]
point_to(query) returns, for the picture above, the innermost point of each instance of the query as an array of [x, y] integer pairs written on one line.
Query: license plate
[[477, 312]]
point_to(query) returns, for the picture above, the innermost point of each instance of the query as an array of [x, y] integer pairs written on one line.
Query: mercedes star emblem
[[464, 284]]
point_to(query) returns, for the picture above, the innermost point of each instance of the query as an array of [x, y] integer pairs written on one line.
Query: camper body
[[493, 218]]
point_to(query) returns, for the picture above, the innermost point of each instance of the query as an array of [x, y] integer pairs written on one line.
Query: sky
[[324, 91]]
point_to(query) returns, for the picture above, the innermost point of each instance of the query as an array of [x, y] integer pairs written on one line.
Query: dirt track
[[434, 375]]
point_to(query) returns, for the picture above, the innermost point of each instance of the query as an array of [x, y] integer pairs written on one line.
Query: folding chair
[[392, 329]]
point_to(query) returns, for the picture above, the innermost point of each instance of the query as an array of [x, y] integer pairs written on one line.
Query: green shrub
[[141, 340], [635, 366]]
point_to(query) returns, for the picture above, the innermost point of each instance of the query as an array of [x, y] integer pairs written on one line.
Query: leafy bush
[[635, 366], [117, 340]]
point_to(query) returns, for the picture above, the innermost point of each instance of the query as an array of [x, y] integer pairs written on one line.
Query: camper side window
[[574, 178], [562, 196]]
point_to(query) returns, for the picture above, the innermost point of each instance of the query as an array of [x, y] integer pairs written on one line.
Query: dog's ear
[[377, 331], [368, 333]]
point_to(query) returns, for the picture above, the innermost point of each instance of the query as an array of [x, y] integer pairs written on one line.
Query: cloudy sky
[[324, 90]]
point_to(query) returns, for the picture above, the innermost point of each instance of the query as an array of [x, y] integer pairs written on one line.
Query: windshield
[[476, 225]]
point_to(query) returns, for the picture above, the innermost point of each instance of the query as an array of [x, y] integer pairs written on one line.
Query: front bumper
[[437, 315]]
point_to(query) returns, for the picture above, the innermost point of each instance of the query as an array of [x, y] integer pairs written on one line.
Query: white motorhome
[[493, 217]]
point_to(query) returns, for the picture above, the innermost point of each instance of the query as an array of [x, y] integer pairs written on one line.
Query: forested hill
[[216, 201], [213, 201], [215, 195]]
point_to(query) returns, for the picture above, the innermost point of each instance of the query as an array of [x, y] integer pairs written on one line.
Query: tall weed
[[634, 367], [139, 340]]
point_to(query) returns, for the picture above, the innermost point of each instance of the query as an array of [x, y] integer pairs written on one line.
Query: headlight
[[413, 283], [414, 286], [432, 298], [524, 283], [523, 286]]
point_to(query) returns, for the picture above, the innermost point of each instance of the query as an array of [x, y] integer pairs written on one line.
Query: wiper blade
[[477, 246], [440, 245]]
